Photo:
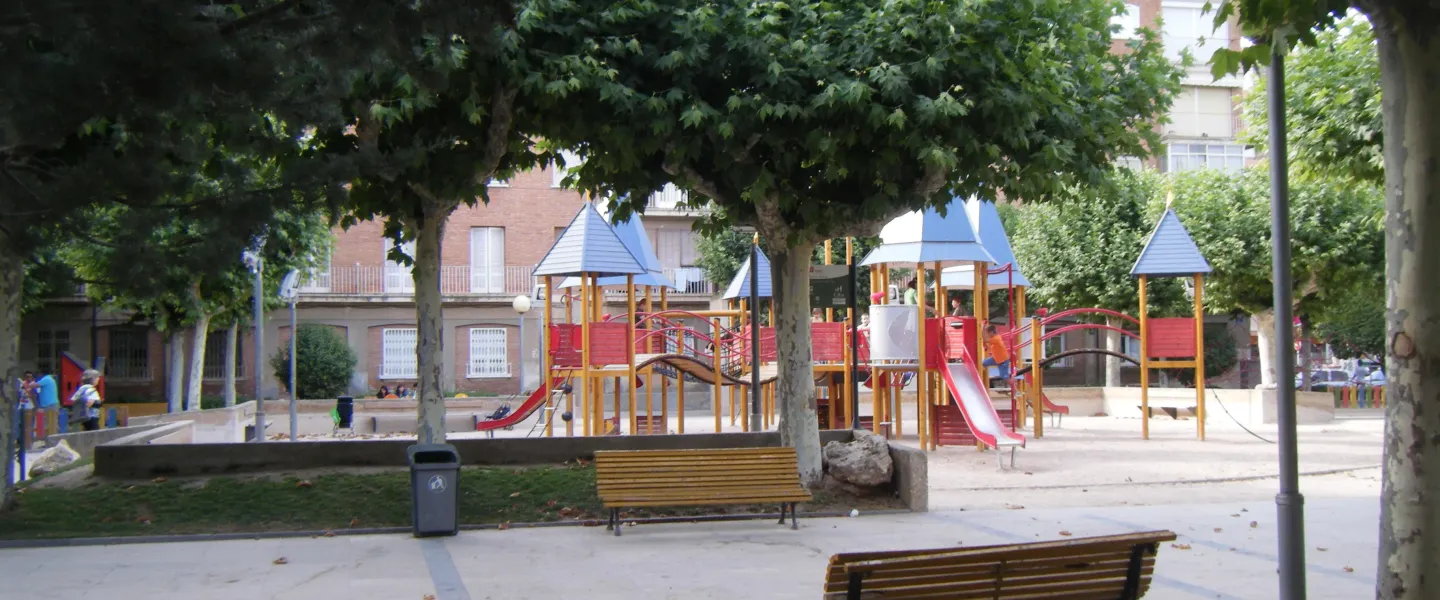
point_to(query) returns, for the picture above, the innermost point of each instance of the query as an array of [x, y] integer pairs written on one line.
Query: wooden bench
[[1099, 568], [641, 478]]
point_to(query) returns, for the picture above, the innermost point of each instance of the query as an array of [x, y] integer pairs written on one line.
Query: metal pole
[[1289, 504], [294, 391], [521, 366], [755, 422], [257, 367]]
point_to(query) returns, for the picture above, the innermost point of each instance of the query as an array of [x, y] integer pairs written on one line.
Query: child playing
[[999, 355]]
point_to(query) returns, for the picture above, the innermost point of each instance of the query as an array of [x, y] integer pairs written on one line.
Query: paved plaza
[[1091, 477]]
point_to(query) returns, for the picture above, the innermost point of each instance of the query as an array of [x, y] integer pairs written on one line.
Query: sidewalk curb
[[1092, 486], [275, 535]]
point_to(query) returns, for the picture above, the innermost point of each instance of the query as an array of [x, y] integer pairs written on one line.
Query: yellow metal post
[[630, 352], [1200, 358], [545, 364], [829, 312], [1144, 365], [649, 372]]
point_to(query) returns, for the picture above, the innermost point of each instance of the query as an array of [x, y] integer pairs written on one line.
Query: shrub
[[326, 363]]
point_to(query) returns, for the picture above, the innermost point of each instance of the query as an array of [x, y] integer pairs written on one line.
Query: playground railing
[[1359, 396]]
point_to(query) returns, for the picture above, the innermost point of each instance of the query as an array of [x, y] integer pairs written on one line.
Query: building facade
[[487, 255]]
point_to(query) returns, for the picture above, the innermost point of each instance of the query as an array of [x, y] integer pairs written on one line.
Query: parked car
[[1325, 379]]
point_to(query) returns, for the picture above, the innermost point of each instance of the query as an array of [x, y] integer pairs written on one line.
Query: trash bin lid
[[432, 454]]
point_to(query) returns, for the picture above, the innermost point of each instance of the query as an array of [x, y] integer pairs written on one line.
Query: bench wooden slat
[[644, 478], [1098, 567]]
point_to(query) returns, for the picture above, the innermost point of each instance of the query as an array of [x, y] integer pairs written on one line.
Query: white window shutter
[[489, 353], [398, 360]]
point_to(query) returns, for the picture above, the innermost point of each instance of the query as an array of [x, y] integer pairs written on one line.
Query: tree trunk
[[430, 345], [197, 363], [1112, 364], [175, 372], [1409, 565], [12, 275], [232, 353], [1265, 332], [795, 388]]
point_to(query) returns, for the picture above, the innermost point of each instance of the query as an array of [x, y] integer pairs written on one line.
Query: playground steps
[[951, 428]]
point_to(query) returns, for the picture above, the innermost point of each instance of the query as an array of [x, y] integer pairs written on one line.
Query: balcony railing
[[691, 280], [393, 280]]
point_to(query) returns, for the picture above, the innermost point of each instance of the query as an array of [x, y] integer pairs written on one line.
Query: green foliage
[[1354, 323], [1293, 22], [1220, 356], [722, 253], [1336, 237], [325, 366], [1332, 106], [815, 120], [1077, 251]]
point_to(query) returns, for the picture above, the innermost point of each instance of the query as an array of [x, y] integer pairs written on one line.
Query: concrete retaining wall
[[1249, 407], [912, 477], [144, 461], [84, 442]]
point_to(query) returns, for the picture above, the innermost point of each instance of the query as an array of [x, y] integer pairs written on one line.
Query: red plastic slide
[[527, 408], [1049, 406], [971, 393]]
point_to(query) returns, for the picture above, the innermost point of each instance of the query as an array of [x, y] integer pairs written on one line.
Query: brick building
[[487, 256]]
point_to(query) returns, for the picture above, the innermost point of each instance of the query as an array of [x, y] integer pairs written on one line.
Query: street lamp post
[[256, 265], [290, 293], [521, 304]]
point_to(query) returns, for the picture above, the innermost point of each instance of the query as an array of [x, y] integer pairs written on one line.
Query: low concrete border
[[84, 442], [912, 477], [132, 461]]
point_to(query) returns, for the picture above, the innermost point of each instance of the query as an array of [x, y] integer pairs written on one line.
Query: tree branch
[[258, 16], [497, 136], [699, 182]]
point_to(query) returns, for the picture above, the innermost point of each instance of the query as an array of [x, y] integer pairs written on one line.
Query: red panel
[[827, 341], [607, 343], [565, 345], [961, 337], [1171, 337]]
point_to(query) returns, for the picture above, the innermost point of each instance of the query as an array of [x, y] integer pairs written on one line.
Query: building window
[[498, 183], [1202, 112], [1130, 162], [398, 279], [216, 348], [49, 345], [489, 354], [1186, 157], [557, 172], [1127, 22], [129, 356], [397, 359], [487, 260], [1130, 346], [1186, 27], [1055, 346]]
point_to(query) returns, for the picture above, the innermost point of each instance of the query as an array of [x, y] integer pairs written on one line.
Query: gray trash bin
[[434, 489]]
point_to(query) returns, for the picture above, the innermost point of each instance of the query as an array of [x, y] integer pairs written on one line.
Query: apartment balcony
[[382, 282], [670, 201], [690, 284]]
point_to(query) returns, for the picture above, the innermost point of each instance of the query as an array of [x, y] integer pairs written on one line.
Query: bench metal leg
[[1132, 573], [852, 591], [782, 514], [793, 524]]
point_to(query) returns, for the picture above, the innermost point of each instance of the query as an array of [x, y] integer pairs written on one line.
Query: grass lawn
[[96, 508]]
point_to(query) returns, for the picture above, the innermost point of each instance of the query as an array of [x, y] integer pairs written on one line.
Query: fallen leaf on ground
[[514, 494], [1244, 510], [304, 483], [1218, 530], [1027, 472], [1232, 550], [281, 561], [355, 521], [504, 526], [1180, 546], [432, 596], [1322, 548], [329, 533], [551, 503], [1066, 533], [1254, 524], [1014, 507], [1347, 569], [160, 480]]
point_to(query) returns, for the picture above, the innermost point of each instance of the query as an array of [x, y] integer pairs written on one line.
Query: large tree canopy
[[814, 120]]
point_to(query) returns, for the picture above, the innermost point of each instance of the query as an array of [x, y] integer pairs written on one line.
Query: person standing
[[47, 399], [85, 402]]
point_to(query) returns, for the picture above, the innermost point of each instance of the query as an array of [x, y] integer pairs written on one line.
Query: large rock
[[864, 462], [53, 459]]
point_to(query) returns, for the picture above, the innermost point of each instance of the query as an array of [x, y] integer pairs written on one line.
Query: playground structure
[[592, 359]]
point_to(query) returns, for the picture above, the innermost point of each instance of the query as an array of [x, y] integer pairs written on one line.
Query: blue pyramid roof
[[740, 286], [632, 234], [986, 220], [1170, 252], [589, 246], [925, 236]]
